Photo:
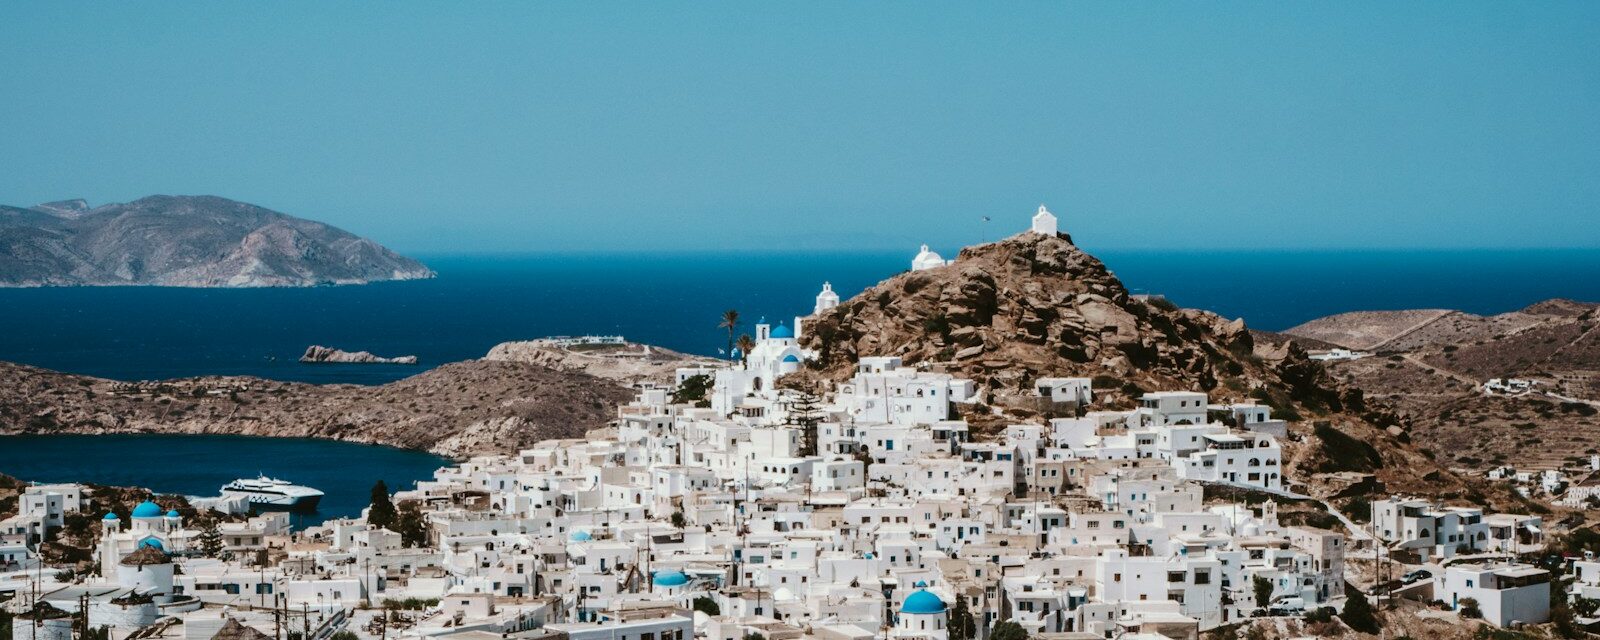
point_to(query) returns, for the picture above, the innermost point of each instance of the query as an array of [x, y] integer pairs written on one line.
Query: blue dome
[[920, 584], [110, 516], [790, 358], [922, 602], [172, 513], [581, 536], [152, 543], [670, 579], [147, 509], [782, 332]]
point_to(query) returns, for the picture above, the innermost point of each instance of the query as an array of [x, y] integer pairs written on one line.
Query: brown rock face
[[1031, 306]]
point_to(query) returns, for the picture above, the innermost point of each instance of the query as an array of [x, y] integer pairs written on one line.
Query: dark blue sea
[[676, 300], [198, 465]]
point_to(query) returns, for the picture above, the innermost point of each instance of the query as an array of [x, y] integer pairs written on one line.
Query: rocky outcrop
[[457, 409], [320, 354], [1010, 312], [625, 363], [185, 241]]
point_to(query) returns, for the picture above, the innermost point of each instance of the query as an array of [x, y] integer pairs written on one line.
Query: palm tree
[[746, 343], [730, 321]]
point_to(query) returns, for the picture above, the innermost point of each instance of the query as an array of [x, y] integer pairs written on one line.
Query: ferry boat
[[272, 494]]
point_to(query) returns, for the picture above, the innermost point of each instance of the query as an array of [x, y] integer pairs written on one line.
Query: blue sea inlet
[[198, 465]]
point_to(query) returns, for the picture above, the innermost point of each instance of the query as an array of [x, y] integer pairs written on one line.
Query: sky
[[503, 127]]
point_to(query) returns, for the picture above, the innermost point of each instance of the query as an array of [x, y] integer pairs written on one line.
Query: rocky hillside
[[1430, 367], [185, 241], [458, 409], [1007, 313], [1030, 306]]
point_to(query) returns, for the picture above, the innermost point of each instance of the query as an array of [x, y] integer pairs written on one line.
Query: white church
[[777, 352], [1044, 223]]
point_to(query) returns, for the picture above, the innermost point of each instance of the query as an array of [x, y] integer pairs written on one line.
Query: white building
[[825, 300], [1506, 593], [927, 259], [1044, 222]]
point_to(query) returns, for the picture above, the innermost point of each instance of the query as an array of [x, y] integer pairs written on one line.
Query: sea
[[677, 300], [671, 300], [198, 465]]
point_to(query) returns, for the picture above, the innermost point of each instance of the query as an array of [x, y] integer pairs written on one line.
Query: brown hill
[[1430, 374], [185, 241], [1030, 306], [457, 409], [1007, 313]]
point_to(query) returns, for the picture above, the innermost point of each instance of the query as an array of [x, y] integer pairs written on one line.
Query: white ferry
[[272, 494]]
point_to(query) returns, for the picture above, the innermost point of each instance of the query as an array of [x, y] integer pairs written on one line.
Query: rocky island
[[318, 354], [493, 405], [185, 241]]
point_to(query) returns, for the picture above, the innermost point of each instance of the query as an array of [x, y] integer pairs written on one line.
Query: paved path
[[1448, 373], [1409, 330]]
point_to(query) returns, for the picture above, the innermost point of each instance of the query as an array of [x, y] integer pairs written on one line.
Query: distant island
[[185, 241], [316, 354]]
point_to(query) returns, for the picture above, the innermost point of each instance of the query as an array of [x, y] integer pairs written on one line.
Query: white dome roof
[[926, 259]]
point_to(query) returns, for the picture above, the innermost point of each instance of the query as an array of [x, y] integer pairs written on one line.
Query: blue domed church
[[922, 615], [777, 352], [148, 525]]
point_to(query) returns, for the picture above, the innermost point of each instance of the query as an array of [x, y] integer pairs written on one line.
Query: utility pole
[[83, 608]]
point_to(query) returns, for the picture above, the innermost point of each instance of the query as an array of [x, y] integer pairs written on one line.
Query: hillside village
[[838, 481]]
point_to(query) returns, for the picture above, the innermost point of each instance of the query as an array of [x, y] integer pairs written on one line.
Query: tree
[[805, 413], [730, 321], [678, 519], [411, 525], [344, 634], [1358, 613], [865, 458], [746, 344], [961, 624], [1564, 623], [826, 334], [210, 540], [1467, 607], [1263, 588], [381, 513], [706, 605], [693, 391], [1008, 630]]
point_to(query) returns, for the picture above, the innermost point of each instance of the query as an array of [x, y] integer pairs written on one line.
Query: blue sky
[[507, 127]]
